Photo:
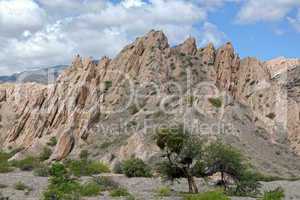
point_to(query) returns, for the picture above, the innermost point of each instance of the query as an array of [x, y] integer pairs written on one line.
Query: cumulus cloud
[[265, 10], [49, 45], [17, 16], [58, 9], [94, 28]]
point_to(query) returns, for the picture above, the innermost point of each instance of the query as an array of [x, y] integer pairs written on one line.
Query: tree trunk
[[223, 180], [190, 182], [222, 177], [194, 185]]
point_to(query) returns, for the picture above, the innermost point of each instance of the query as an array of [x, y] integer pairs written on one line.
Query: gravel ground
[[141, 188], [37, 184]]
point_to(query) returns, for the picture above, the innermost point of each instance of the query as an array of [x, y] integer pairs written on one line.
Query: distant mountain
[[43, 76]]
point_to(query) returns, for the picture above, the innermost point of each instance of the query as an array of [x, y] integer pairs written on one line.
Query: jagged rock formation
[[109, 107]]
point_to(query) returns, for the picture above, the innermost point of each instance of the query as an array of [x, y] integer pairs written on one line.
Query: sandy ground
[[141, 188]]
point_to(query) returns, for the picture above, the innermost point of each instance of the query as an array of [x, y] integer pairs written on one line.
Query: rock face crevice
[[259, 100]]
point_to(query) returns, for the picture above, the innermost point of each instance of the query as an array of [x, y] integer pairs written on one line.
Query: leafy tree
[[181, 151], [224, 159]]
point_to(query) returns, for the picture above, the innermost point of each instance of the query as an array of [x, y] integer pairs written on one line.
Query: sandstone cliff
[[108, 107]]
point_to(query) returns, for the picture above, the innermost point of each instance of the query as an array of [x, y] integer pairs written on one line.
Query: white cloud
[[66, 8], [43, 47], [19, 15], [98, 27], [132, 3], [210, 33], [215, 3], [265, 10], [295, 22]]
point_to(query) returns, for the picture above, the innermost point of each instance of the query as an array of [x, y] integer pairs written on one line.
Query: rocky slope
[[113, 106]]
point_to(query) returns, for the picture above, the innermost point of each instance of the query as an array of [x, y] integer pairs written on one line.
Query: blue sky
[[264, 39], [41, 33]]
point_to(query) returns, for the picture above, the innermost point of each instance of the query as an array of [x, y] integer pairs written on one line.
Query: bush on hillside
[[216, 102], [21, 186], [61, 186], [277, 194], [42, 171], [46, 153], [27, 164], [119, 192], [52, 142], [86, 167], [5, 166], [90, 189], [164, 192], [135, 167]]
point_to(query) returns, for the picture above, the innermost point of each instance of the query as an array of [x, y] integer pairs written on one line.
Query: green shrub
[[45, 155], [119, 192], [213, 195], [135, 167], [58, 170], [277, 194], [108, 85], [90, 189], [105, 183], [4, 156], [42, 171], [246, 186], [84, 155], [5, 166], [97, 167], [21, 186], [86, 168], [61, 186], [27, 164], [52, 142], [164, 192], [216, 102]]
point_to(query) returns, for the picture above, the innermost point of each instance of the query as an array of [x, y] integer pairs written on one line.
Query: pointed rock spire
[[209, 54], [189, 46], [77, 61], [156, 39]]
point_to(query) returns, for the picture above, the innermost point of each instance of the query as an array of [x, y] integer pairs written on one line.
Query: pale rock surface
[[260, 113]]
